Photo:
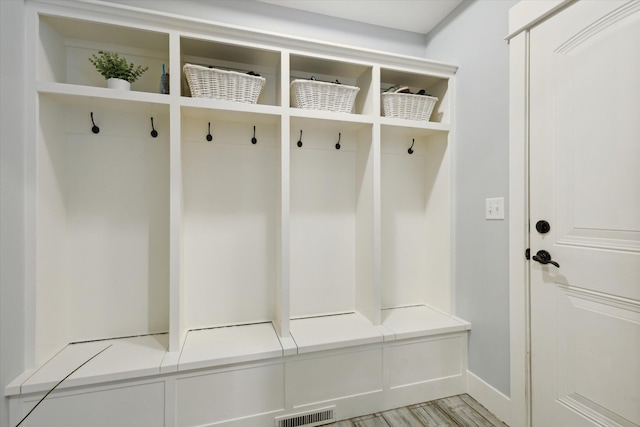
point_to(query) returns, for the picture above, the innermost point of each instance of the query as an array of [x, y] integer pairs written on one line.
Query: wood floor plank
[[482, 410], [401, 417], [374, 420], [455, 411], [461, 413], [345, 423], [431, 415]]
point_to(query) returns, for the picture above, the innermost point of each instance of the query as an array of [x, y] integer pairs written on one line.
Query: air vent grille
[[308, 419]]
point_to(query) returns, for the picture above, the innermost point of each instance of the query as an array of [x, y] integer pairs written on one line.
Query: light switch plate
[[494, 208]]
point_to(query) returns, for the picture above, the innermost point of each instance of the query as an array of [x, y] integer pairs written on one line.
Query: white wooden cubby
[[315, 275]]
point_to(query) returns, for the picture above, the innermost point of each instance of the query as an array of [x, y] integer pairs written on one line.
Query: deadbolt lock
[[543, 226]]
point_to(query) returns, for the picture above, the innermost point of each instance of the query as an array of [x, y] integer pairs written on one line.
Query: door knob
[[544, 257]]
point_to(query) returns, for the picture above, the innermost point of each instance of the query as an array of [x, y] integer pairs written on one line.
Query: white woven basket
[[207, 82], [407, 106], [315, 95]]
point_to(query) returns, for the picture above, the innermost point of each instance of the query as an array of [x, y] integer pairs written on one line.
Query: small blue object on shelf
[[164, 82]]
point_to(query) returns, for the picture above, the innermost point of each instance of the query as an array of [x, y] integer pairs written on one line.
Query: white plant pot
[[118, 84]]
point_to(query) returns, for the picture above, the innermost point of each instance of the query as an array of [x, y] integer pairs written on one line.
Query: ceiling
[[418, 16]]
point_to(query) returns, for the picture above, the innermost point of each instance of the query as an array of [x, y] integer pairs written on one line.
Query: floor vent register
[[307, 419]]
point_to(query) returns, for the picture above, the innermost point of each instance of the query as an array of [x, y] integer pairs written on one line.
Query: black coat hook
[[209, 137], [254, 140], [410, 150], [338, 144], [94, 129], [154, 132], [300, 139]]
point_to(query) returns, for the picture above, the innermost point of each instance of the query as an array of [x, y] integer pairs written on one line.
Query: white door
[[585, 182]]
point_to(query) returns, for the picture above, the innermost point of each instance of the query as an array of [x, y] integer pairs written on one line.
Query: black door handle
[[544, 257]]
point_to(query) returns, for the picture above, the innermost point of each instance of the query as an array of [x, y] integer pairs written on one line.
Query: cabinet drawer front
[[318, 379], [425, 361], [127, 406], [225, 396]]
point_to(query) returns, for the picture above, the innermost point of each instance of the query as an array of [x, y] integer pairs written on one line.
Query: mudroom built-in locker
[[199, 252]]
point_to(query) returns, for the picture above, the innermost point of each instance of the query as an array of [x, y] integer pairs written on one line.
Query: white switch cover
[[495, 208]]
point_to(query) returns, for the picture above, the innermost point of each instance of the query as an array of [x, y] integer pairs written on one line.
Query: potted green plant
[[117, 70]]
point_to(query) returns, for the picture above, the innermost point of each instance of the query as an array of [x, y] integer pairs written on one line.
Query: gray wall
[[12, 322], [472, 37]]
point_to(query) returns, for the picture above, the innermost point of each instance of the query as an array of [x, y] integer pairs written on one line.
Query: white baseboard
[[489, 397]]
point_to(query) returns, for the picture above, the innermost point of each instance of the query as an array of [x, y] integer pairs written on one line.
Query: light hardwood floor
[[456, 411]]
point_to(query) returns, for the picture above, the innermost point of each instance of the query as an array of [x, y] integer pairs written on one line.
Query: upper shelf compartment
[[236, 59], [64, 46], [330, 70], [434, 86]]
